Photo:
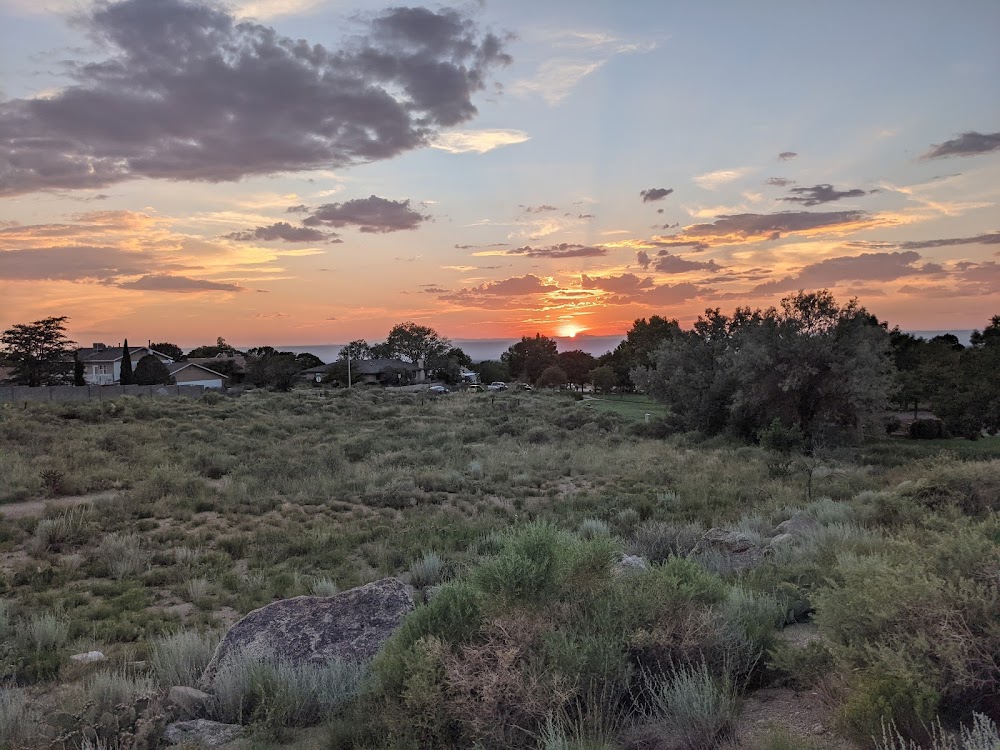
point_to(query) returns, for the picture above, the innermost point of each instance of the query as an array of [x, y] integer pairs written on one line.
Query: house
[[224, 361], [387, 371], [192, 373], [102, 365], [468, 376]]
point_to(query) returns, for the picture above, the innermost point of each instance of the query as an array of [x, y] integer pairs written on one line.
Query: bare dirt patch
[[802, 714], [31, 508]]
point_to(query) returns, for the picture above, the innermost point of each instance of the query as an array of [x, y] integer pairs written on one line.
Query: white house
[[192, 373], [102, 365]]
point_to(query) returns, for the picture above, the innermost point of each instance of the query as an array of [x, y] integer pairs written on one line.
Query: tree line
[[809, 368]]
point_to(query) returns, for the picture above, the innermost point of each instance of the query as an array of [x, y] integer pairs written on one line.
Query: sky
[[300, 171]]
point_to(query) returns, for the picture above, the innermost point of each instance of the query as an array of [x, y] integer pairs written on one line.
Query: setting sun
[[570, 330]]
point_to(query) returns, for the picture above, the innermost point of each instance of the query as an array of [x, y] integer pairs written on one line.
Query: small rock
[[189, 702], [738, 550], [88, 658], [629, 565], [796, 526], [202, 732], [817, 729]]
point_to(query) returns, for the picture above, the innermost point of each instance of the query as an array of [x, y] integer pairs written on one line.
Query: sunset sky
[[309, 171]]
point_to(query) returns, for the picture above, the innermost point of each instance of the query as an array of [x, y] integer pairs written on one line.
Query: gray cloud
[[864, 267], [76, 263], [696, 245], [824, 193], [787, 155], [373, 215], [967, 144], [627, 283], [562, 250], [772, 226], [667, 263], [655, 194], [779, 181], [500, 294], [302, 208], [284, 232], [992, 238], [642, 258], [544, 208], [162, 282], [189, 93]]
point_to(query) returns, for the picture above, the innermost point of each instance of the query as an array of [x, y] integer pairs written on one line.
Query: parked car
[[497, 385], [475, 388], [438, 389]]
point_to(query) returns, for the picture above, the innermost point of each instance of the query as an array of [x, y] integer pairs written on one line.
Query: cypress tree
[[126, 377], [78, 378]]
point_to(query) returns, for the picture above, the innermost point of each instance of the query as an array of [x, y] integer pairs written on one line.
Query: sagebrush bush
[[981, 734], [427, 571], [249, 690], [692, 705], [105, 691], [46, 632], [325, 587], [16, 720], [658, 540], [181, 658], [122, 554], [594, 527]]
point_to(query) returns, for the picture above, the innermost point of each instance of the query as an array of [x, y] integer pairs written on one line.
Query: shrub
[[16, 720], [981, 735], [106, 691], [594, 527], [691, 705], [657, 540], [427, 571], [926, 429], [64, 529], [325, 587], [180, 658], [46, 632], [277, 694], [122, 554]]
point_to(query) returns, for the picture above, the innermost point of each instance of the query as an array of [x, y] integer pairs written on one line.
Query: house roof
[[238, 360], [377, 366], [113, 353], [317, 370], [178, 366]]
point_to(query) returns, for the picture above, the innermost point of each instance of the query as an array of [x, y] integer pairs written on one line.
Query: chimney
[[98, 347]]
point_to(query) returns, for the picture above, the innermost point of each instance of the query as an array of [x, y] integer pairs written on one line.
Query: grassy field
[[633, 407], [217, 506]]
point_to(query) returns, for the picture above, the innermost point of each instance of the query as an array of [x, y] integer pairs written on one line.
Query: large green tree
[[149, 370], [576, 365], [412, 342], [125, 376], [812, 365], [528, 358], [39, 352], [171, 350]]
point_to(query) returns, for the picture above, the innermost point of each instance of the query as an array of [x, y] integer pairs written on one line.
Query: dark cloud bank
[[373, 215], [655, 194], [186, 92], [825, 193], [967, 144]]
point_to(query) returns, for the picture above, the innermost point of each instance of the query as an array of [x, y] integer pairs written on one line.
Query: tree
[[305, 360], [126, 371], [491, 371], [266, 366], [529, 357], [639, 347], [577, 365], [413, 342], [552, 376], [813, 366], [171, 350], [603, 378], [149, 370], [448, 366], [39, 352], [357, 349], [78, 371], [212, 351]]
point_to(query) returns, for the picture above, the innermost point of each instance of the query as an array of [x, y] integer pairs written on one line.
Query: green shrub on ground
[[181, 658], [691, 706]]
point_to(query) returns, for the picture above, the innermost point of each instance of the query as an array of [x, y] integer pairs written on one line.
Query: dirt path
[[37, 507]]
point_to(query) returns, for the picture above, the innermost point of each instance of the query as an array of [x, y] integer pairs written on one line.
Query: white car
[[438, 389], [497, 386]]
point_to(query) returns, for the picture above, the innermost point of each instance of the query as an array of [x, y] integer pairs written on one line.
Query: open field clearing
[[510, 516]]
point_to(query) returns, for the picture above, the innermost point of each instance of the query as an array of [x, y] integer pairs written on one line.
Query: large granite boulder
[[794, 529], [730, 550], [203, 733], [351, 626]]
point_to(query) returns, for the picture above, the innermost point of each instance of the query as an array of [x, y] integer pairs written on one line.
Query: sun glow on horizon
[[569, 330]]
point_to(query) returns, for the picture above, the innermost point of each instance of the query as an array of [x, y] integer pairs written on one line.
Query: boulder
[[315, 630], [88, 658], [189, 702], [202, 733], [796, 526], [738, 551], [629, 565]]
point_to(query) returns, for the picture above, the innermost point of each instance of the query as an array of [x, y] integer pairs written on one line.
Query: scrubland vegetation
[[510, 516]]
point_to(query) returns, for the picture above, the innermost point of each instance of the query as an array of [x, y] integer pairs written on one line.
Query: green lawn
[[633, 407]]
